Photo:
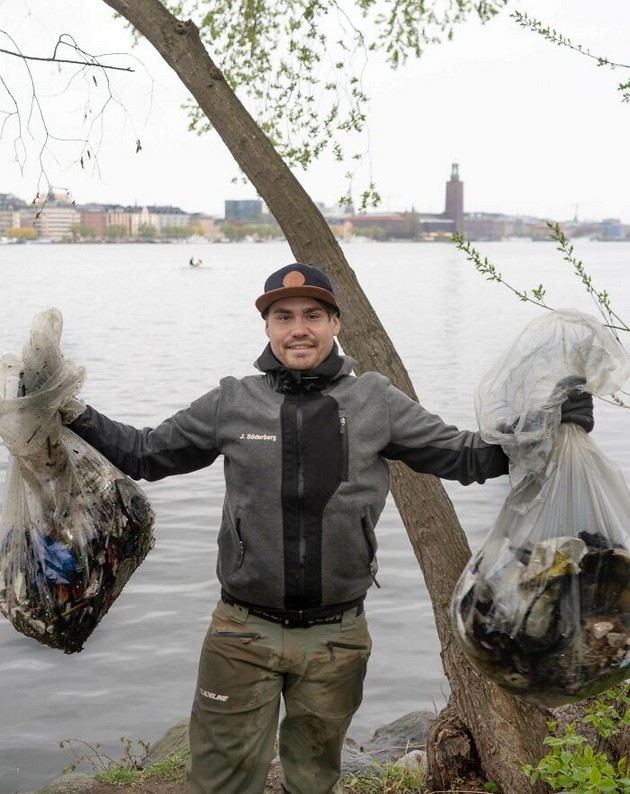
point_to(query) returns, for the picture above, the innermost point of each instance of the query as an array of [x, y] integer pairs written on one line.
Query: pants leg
[[235, 708], [321, 696]]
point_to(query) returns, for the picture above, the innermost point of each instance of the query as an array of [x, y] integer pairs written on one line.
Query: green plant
[[128, 768], [172, 768], [610, 713], [573, 765], [301, 63], [100, 762]]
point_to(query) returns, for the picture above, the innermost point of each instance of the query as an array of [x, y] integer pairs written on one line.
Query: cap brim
[[267, 298]]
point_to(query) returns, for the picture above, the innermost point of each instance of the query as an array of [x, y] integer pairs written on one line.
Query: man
[[305, 447]]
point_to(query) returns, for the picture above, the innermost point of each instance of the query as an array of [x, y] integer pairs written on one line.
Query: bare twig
[[27, 119], [54, 59]]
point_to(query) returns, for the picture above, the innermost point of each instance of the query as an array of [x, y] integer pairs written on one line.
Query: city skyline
[[331, 209], [453, 193], [59, 219], [538, 130]]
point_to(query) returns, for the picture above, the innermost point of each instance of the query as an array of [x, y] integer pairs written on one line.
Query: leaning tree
[[482, 730]]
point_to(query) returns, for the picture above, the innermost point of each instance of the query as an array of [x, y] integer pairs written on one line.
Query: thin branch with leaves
[[487, 269], [601, 299], [536, 296], [301, 63], [553, 36]]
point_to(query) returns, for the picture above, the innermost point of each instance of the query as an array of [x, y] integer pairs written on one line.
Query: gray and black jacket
[[305, 462]]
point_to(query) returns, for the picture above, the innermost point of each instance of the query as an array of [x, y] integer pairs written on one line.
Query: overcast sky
[[536, 129]]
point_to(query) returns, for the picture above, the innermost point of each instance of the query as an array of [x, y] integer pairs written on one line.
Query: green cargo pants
[[247, 664]]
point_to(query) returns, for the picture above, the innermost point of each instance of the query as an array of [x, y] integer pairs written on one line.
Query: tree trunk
[[501, 732]]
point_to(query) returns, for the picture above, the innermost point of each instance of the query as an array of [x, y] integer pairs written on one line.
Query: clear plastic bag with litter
[[73, 528], [543, 608]]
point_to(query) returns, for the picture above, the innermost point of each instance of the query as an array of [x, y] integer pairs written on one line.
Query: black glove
[[578, 408], [578, 405]]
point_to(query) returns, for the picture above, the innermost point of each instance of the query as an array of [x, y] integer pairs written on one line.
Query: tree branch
[[27, 117], [65, 60], [525, 21]]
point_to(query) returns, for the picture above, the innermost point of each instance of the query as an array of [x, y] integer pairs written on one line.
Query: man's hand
[[578, 408], [71, 410]]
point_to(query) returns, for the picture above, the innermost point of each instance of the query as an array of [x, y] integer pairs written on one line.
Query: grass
[[172, 768], [127, 770], [386, 778]]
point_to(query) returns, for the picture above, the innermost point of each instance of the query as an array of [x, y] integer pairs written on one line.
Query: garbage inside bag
[[73, 528], [543, 608]]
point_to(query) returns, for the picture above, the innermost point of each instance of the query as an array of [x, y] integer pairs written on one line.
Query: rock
[[398, 740], [354, 761], [400, 737], [413, 762], [388, 743], [175, 740], [71, 783]]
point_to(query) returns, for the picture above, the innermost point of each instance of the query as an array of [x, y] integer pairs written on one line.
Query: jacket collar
[[292, 380]]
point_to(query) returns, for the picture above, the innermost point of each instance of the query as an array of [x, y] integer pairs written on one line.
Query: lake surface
[[154, 334]]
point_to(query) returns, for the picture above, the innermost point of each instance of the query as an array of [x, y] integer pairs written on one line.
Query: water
[[154, 334]]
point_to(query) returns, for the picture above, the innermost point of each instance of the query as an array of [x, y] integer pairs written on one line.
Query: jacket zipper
[[343, 431], [301, 506], [372, 555], [239, 540]]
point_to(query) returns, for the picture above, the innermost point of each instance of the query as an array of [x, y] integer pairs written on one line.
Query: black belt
[[296, 619]]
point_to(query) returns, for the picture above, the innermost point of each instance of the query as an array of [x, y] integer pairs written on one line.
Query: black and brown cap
[[297, 281]]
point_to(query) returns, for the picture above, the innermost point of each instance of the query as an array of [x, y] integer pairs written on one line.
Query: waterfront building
[[454, 203], [418, 226], [117, 222], [52, 216], [612, 229], [9, 212], [167, 218], [244, 210], [94, 218], [208, 225]]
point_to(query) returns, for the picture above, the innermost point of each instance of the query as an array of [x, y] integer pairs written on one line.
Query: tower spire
[[454, 205]]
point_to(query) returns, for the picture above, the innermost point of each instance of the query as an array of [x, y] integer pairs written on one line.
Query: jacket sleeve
[[428, 445], [183, 443]]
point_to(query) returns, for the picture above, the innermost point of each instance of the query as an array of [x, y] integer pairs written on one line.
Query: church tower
[[454, 205]]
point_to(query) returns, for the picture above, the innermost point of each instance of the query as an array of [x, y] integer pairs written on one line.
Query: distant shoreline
[[355, 241]]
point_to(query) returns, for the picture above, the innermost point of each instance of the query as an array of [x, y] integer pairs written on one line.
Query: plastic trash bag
[[543, 608], [73, 528]]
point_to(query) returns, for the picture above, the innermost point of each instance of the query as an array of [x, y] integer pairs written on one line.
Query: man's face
[[301, 332]]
